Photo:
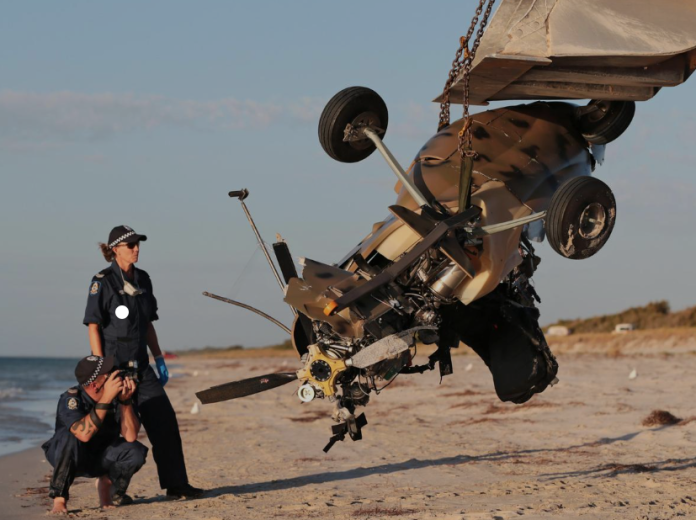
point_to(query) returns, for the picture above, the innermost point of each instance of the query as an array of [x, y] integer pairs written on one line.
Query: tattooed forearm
[[84, 428], [79, 426]]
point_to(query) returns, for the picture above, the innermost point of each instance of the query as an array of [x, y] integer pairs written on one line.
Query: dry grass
[[494, 408], [619, 345], [314, 459], [384, 511], [234, 364], [466, 404], [616, 469], [399, 383], [465, 393], [471, 422], [246, 353], [35, 491], [310, 417], [660, 418], [611, 345], [654, 315]]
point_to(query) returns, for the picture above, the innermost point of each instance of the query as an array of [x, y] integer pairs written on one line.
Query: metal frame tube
[[249, 308], [504, 226], [396, 167], [244, 194]]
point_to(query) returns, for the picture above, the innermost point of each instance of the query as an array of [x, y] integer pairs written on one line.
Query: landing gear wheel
[[359, 107], [580, 217], [602, 122]]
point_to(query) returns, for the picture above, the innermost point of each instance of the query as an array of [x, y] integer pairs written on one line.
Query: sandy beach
[[430, 450]]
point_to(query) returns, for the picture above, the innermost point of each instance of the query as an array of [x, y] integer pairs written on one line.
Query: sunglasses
[[130, 245]]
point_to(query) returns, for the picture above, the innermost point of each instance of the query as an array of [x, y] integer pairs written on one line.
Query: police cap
[[90, 368], [124, 234]]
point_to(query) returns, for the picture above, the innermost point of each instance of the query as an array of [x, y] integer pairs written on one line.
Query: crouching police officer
[[119, 314], [95, 435]]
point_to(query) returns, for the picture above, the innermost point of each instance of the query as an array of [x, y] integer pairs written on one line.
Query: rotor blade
[[385, 348], [245, 387]]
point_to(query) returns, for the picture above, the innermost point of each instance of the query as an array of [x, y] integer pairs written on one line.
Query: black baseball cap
[[90, 368], [124, 234]]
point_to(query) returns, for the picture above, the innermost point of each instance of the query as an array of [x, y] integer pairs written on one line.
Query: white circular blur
[[122, 312]]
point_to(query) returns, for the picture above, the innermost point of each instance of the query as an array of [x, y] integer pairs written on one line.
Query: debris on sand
[[660, 418], [34, 491], [383, 511], [615, 469], [309, 417]]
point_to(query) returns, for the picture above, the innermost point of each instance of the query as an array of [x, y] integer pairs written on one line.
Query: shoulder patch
[[99, 275], [72, 391], [94, 288], [72, 403]]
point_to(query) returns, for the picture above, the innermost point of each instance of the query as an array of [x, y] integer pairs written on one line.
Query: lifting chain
[[462, 65]]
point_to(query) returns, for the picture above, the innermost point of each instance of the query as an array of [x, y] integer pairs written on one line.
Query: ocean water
[[29, 391]]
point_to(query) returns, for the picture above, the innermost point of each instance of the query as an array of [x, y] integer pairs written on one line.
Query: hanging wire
[[236, 285]]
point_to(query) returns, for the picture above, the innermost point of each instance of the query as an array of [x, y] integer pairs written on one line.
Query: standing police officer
[[90, 420], [120, 310]]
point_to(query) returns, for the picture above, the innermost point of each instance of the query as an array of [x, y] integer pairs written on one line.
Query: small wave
[[10, 393]]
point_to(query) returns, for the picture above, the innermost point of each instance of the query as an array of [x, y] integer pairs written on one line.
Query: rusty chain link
[[462, 64]]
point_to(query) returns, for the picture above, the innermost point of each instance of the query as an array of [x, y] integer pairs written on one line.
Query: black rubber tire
[[573, 199], [349, 105], [615, 121]]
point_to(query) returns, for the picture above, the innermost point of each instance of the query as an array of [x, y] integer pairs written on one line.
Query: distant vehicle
[[624, 327], [559, 330]]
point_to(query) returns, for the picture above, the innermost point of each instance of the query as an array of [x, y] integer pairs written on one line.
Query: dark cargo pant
[[72, 458], [159, 420]]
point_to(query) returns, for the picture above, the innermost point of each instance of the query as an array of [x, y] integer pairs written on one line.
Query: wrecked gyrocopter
[[454, 259]]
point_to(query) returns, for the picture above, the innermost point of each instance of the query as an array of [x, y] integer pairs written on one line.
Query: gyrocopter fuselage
[[452, 262]]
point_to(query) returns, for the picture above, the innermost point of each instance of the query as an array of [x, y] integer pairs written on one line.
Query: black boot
[[185, 491]]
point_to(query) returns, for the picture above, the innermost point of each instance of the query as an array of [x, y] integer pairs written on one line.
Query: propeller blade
[[385, 348], [245, 387]]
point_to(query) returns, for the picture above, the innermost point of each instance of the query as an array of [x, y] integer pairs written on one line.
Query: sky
[[148, 114]]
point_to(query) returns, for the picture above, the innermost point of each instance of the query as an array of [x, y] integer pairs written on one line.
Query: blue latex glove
[[162, 370]]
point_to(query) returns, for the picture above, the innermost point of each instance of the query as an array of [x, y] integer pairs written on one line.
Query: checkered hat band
[[121, 238], [96, 372]]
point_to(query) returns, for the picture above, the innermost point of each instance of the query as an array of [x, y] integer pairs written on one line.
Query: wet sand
[[430, 450]]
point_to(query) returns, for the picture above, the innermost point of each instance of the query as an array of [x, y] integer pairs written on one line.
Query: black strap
[[103, 406], [126, 402], [95, 418]]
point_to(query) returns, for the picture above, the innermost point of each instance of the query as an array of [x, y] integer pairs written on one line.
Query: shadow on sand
[[605, 470]]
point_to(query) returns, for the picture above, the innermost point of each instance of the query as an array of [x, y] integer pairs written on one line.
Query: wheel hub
[[365, 119], [592, 221]]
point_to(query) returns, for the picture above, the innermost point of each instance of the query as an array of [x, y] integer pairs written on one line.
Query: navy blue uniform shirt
[[74, 404], [125, 339]]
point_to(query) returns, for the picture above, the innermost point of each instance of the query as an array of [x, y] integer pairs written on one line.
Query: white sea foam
[[9, 393]]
